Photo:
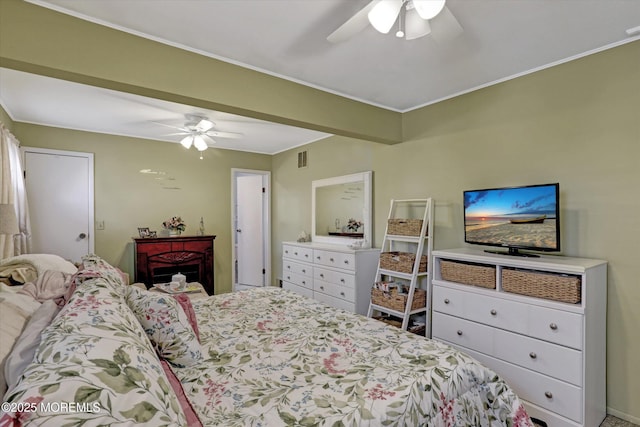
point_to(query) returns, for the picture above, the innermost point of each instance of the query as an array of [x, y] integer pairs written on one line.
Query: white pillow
[[15, 311]]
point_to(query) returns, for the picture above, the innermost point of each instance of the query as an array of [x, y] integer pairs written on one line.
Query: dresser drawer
[[334, 259], [289, 266], [556, 326], [334, 290], [307, 292], [298, 279], [491, 311], [448, 301], [339, 278], [496, 312], [298, 253], [546, 392], [462, 332], [551, 359], [335, 302]]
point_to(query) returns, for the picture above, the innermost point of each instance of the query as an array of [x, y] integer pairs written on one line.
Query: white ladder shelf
[[418, 245]]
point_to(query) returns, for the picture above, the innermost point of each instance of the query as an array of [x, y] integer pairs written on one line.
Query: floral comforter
[[275, 358]]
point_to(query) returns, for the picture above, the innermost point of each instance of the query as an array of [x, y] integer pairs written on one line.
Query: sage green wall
[[38, 40], [126, 199], [577, 124]]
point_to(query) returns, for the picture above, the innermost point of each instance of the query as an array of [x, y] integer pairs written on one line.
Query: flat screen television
[[525, 217]]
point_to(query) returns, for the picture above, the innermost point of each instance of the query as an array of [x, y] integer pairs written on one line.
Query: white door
[[59, 187], [251, 230]]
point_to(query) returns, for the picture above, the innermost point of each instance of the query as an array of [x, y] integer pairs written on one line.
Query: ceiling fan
[[199, 131], [416, 18]]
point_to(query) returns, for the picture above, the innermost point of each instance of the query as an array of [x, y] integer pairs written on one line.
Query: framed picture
[[153, 234], [143, 231]]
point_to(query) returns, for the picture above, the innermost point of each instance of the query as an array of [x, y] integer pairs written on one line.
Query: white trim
[[266, 218], [90, 190]]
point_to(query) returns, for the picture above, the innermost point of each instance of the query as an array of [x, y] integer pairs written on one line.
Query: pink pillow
[[185, 303]]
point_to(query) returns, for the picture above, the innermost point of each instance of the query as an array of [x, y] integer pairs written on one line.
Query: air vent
[[302, 159]]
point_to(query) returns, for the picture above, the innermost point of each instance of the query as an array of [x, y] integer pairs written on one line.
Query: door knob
[[240, 231], [82, 236]]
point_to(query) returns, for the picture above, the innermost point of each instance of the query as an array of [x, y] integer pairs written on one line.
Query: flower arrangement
[[353, 225], [174, 223]]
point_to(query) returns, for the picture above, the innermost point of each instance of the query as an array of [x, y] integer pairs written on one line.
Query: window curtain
[[12, 191]]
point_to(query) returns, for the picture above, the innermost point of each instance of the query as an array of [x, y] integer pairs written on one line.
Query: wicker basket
[[404, 227], [397, 302], [557, 287], [401, 262], [468, 273]]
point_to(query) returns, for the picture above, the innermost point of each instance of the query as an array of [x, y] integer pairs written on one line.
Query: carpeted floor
[[612, 421]]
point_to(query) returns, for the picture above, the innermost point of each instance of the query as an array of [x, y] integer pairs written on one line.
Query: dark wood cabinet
[[158, 258]]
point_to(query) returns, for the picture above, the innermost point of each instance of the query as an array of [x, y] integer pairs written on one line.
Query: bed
[[117, 355]]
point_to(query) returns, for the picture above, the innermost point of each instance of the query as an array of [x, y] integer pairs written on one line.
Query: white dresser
[[334, 274], [552, 353]]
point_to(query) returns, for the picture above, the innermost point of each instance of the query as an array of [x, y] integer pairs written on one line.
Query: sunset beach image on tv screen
[[520, 217]]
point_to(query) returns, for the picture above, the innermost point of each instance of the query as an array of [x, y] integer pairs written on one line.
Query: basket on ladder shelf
[[404, 227], [398, 301], [402, 262]]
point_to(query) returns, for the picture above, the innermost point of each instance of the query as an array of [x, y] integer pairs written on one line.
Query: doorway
[[59, 186], [250, 228]]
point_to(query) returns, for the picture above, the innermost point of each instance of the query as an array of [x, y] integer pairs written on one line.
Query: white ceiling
[[502, 39]]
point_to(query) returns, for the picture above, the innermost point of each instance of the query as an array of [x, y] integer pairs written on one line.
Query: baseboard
[[623, 416]]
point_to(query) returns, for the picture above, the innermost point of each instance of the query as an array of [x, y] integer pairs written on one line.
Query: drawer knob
[[304, 270], [346, 261], [341, 293], [446, 300], [341, 280], [306, 255], [331, 259], [295, 253], [548, 394], [533, 355], [288, 277], [304, 283], [459, 332], [553, 326], [286, 252], [289, 267], [322, 275], [318, 257], [494, 312], [322, 288]]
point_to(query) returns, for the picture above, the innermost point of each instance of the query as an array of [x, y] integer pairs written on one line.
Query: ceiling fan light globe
[[384, 14], [199, 143], [187, 141], [428, 9]]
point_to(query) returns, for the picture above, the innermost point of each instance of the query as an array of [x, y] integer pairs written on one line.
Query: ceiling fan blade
[[353, 26], [414, 26], [445, 26], [219, 134], [211, 140], [204, 125], [180, 128]]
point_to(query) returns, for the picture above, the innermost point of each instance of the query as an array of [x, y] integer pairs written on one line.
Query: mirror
[[341, 209]]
